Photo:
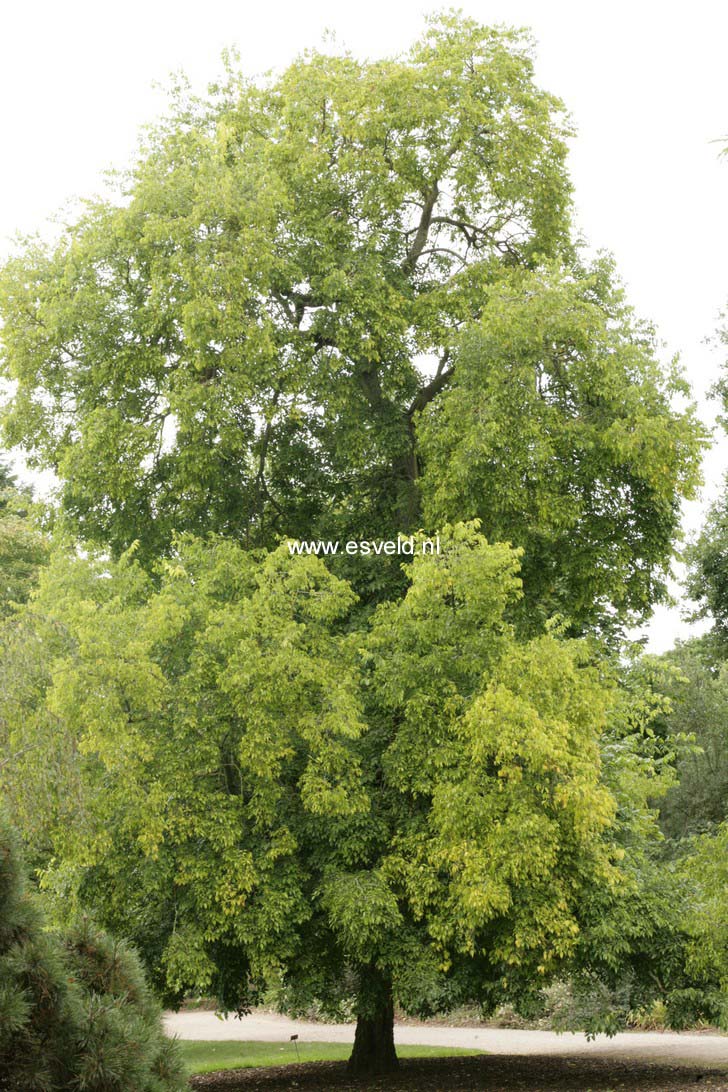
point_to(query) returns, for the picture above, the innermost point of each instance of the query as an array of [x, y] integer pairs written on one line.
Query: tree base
[[374, 1052]]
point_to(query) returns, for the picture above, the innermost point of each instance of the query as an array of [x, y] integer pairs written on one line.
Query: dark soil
[[489, 1073]]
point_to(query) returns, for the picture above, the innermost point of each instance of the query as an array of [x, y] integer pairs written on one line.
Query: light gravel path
[[668, 1047]]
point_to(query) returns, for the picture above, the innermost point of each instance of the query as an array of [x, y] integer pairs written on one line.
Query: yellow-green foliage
[[271, 785]]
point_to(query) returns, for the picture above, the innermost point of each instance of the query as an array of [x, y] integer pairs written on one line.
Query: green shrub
[[75, 1012]]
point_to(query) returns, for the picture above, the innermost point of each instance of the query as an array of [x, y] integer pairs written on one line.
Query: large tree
[[341, 303], [296, 271]]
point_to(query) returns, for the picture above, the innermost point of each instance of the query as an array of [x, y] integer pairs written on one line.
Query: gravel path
[[667, 1047]]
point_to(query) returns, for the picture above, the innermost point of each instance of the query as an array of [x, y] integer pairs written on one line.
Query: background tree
[[637, 940], [707, 571], [23, 549], [699, 804], [707, 582], [295, 270], [696, 683], [705, 874]]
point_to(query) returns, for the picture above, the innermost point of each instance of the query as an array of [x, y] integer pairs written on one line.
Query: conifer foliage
[[75, 1011]]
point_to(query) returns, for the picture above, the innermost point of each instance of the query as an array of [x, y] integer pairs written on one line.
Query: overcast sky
[[646, 84]]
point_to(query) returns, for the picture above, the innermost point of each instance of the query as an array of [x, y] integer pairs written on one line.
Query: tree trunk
[[374, 1051]]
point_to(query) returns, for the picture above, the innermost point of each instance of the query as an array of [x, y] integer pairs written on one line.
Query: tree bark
[[374, 1052]]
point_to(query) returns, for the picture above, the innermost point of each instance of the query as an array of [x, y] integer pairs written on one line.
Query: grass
[[211, 1057]]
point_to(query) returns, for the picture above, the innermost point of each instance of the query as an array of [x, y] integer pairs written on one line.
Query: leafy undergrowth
[[212, 1057], [484, 1073]]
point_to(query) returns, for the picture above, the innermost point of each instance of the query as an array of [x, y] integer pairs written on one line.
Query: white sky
[[646, 83]]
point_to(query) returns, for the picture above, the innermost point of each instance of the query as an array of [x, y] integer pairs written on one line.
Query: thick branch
[[18, 754], [443, 250], [260, 477], [439, 381], [423, 229], [370, 383], [470, 231]]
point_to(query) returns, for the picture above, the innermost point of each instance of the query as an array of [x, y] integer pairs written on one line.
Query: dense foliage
[[707, 569], [264, 792], [695, 680], [75, 1012], [22, 548], [343, 303]]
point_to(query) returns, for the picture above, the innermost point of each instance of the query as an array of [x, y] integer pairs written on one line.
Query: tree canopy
[[345, 302]]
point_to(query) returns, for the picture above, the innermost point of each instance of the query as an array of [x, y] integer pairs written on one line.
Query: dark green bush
[[75, 1012]]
